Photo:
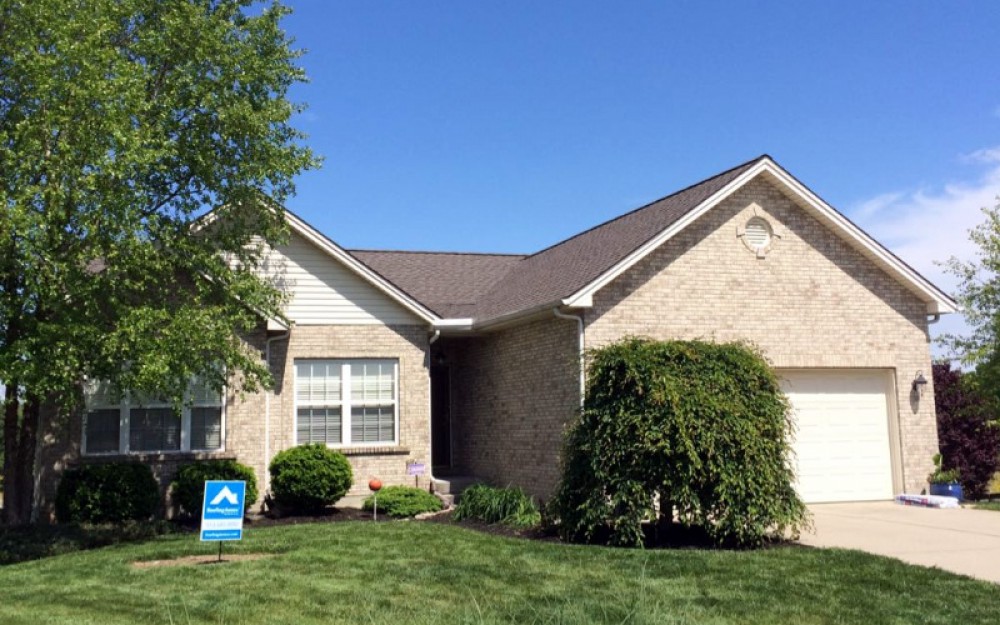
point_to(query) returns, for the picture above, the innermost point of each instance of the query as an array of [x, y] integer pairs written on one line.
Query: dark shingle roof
[[448, 283], [559, 271], [487, 286]]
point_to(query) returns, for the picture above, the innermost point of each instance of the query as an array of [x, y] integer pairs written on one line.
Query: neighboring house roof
[[494, 288], [448, 283]]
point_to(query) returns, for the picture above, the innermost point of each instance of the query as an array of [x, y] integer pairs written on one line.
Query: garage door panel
[[841, 442]]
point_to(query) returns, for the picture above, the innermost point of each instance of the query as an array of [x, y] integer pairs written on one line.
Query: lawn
[[412, 572], [987, 505]]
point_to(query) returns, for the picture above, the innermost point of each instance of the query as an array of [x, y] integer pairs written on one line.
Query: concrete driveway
[[963, 541]]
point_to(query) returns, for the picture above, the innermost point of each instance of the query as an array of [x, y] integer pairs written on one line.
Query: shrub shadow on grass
[[675, 536], [21, 544]]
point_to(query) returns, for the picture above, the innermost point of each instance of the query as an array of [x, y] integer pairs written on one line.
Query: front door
[[440, 417]]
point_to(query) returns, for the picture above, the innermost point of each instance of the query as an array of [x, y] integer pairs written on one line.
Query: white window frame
[[124, 432], [345, 403]]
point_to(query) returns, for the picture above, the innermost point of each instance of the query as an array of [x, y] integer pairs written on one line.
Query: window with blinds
[[205, 417], [346, 402], [102, 418], [124, 423]]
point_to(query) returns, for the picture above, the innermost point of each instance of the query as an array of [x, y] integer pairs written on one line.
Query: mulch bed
[[494, 529], [330, 515]]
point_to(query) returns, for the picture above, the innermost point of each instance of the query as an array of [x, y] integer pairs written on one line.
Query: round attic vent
[[758, 233]]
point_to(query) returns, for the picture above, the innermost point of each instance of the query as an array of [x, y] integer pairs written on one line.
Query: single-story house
[[470, 364]]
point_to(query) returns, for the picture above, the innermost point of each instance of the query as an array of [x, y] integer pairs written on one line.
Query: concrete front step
[[453, 485]]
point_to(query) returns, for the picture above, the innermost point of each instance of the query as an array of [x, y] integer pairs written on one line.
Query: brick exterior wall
[[512, 393], [812, 302], [408, 344], [245, 422]]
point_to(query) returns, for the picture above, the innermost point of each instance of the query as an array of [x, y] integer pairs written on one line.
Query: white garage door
[[842, 438]]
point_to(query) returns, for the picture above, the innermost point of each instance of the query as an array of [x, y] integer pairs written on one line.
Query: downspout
[[430, 416], [267, 410], [933, 318], [579, 325]]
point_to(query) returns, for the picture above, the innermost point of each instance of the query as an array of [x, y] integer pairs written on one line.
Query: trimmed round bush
[[310, 477], [107, 493], [188, 488], [403, 501], [687, 429]]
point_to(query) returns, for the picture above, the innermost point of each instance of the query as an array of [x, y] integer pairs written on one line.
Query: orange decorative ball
[[375, 484]]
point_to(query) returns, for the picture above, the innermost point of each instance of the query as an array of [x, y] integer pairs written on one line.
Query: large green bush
[[403, 501], [509, 506], [188, 488], [308, 478], [701, 427], [107, 493]]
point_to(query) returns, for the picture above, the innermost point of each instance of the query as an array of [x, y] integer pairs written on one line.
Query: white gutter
[[580, 347], [452, 324], [267, 411], [430, 413]]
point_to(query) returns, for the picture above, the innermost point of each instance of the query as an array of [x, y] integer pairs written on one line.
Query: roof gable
[[570, 272], [491, 289], [358, 268], [557, 272], [937, 301]]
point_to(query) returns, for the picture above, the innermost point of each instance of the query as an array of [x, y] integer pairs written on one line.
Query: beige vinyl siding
[[323, 291]]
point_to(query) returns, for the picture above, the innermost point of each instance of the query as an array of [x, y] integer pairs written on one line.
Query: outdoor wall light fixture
[[919, 383]]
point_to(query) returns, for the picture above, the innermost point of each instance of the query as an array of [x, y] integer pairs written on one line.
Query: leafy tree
[[701, 427], [121, 123], [967, 433], [979, 296]]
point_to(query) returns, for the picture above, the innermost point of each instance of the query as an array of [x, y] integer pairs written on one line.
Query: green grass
[[18, 544], [412, 572], [987, 505]]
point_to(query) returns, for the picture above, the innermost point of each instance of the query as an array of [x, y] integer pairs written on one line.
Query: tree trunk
[[664, 520], [20, 437], [11, 421]]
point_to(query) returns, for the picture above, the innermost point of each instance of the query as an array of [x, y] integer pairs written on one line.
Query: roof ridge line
[[648, 204], [511, 254]]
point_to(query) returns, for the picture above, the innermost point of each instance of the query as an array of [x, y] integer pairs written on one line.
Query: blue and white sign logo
[[222, 510]]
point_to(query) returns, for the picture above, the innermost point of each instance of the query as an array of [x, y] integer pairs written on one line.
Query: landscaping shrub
[[968, 436], [510, 506], [188, 488], [403, 501], [107, 493], [701, 427], [308, 478]]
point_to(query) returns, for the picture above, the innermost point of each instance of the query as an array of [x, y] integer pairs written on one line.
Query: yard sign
[[222, 510]]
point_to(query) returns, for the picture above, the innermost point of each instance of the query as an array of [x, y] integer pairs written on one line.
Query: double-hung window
[[132, 423], [346, 402]]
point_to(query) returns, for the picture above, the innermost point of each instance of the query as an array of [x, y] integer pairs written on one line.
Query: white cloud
[[876, 204], [927, 226], [985, 155]]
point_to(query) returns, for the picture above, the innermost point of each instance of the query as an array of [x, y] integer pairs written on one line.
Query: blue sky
[[475, 126]]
